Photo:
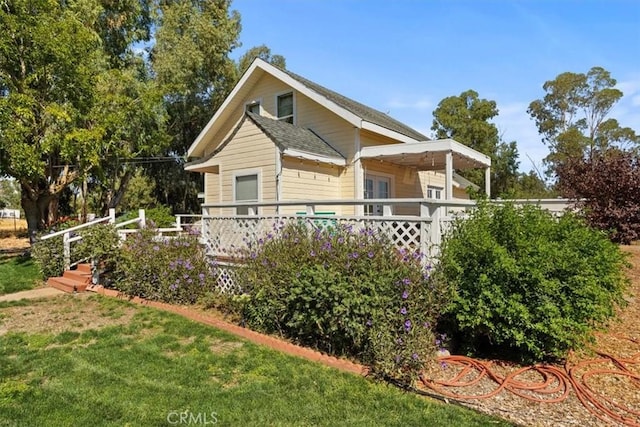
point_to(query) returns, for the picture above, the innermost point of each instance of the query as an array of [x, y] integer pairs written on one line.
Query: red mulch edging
[[255, 337]]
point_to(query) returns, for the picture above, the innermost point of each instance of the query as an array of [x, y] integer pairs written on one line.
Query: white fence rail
[[226, 234], [70, 235]]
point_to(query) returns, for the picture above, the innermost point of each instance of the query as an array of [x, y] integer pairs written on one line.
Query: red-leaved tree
[[606, 187]]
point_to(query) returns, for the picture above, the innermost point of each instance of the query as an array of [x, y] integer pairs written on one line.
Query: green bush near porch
[[527, 284]]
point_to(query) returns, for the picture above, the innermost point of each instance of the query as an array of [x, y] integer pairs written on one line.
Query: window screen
[[285, 108]]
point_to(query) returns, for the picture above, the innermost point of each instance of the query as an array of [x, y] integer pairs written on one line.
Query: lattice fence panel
[[228, 279]]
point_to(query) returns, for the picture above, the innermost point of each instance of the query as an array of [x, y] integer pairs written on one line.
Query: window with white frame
[[246, 190], [434, 192], [253, 107], [285, 107]]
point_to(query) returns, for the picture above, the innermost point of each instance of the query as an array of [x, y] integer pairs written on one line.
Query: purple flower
[[405, 295], [407, 325], [189, 281], [254, 255], [427, 325], [312, 253], [414, 356], [340, 240], [172, 265], [353, 255], [156, 248], [406, 281], [327, 246], [403, 310], [370, 254], [185, 276], [369, 322], [173, 287], [201, 276]]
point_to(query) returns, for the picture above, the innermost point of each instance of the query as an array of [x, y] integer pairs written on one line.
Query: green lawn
[[17, 274], [142, 367]]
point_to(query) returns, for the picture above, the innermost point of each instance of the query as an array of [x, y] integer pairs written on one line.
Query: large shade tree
[[49, 61], [74, 96], [467, 119], [190, 59], [573, 117]]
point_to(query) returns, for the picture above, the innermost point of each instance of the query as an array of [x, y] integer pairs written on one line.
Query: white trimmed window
[[246, 190], [434, 192], [284, 104], [253, 107]]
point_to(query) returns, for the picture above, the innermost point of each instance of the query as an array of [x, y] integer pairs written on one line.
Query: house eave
[[387, 132], [314, 157]]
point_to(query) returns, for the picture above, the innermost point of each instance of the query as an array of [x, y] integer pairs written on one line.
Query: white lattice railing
[[225, 234]]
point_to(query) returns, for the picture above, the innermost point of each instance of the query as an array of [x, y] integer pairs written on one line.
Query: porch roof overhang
[[428, 155], [205, 165]]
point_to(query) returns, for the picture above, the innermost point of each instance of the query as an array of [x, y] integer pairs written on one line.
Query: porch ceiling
[[206, 165], [428, 155]]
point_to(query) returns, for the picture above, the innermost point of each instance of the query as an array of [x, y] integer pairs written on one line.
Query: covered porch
[[440, 155]]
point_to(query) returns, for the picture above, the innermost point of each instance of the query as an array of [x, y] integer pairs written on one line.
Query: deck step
[[73, 280], [78, 276], [67, 285], [85, 268]]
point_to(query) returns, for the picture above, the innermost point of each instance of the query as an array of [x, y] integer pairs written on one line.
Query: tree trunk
[[32, 215], [52, 209], [35, 207]]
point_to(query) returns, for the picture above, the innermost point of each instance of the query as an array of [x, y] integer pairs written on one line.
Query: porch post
[[358, 174], [487, 181], [448, 194]]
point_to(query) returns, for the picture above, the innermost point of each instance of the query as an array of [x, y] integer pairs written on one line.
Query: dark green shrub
[[99, 243], [49, 254], [528, 284], [346, 292], [174, 270], [158, 217]]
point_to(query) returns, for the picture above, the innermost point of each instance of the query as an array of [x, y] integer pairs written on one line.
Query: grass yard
[[90, 360], [18, 274]]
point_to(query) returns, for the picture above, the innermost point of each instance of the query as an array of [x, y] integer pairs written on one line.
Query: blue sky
[[402, 57]]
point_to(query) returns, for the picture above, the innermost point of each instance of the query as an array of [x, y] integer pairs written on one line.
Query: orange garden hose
[[554, 386]]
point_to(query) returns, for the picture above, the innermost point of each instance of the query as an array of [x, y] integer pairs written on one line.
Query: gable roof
[[293, 138], [366, 113], [359, 115], [292, 141]]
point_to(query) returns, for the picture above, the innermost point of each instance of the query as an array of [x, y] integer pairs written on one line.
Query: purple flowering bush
[[174, 270], [344, 291]]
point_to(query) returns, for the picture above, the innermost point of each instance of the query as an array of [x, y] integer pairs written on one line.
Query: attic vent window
[[285, 107], [254, 107]]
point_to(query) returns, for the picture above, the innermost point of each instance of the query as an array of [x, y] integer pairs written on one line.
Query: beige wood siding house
[[280, 137]]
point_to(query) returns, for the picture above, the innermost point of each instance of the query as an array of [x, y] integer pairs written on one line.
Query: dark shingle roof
[[366, 113], [289, 136]]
